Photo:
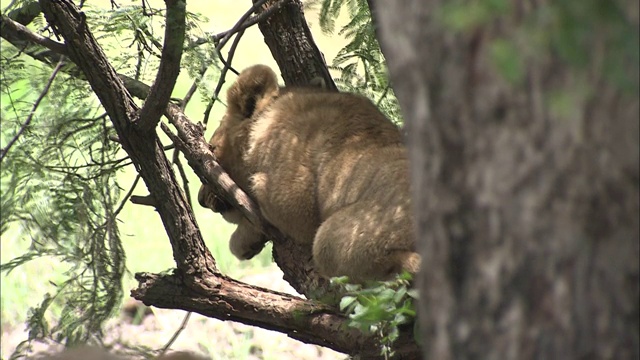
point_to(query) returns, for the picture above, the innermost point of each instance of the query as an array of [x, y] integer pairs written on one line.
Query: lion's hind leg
[[364, 242]]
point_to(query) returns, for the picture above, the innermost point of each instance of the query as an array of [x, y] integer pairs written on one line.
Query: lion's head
[[251, 94]]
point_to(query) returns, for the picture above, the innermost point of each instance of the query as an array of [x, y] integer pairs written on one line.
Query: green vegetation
[[360, 63], [379, 308]]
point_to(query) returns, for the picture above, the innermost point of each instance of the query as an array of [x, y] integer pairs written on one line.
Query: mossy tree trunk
[[527, 206]]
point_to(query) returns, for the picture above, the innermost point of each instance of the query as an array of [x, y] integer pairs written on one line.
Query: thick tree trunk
[[527, 216]]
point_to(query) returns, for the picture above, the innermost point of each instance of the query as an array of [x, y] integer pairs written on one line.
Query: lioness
[[325, 168]]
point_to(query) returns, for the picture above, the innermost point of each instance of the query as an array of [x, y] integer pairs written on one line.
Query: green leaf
[[414, 293], [346, 302]]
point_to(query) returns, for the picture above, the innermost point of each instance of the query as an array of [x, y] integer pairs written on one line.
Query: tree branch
[[288, 37], [169, 66], [21, 37], [245, 23], [144, 200], [300, 319], [239, 23], [191, 255], [223, 74], [194, 87]]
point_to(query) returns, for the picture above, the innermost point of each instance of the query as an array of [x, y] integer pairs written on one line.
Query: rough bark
[[300, 319], [287, 35], [527, 218], [169, 68]]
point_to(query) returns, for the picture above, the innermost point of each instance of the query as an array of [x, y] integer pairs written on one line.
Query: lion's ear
[[253, 90]]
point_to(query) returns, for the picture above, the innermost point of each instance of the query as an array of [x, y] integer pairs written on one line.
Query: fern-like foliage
[[59, 179], [361, 65], [60, 191]]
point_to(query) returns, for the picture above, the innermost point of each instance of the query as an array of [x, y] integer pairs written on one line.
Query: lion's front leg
[[247, 241]]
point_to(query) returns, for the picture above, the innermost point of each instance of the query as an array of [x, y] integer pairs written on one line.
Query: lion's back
[[314, 152], [328, 169]]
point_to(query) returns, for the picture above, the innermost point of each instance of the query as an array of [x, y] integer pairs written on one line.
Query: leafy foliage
[[59, 187], [379, 308], [360, 63]]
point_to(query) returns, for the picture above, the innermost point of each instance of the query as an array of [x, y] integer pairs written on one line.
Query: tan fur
[[325, 168]]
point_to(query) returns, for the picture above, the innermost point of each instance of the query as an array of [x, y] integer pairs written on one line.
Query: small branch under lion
[[190, 142]]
